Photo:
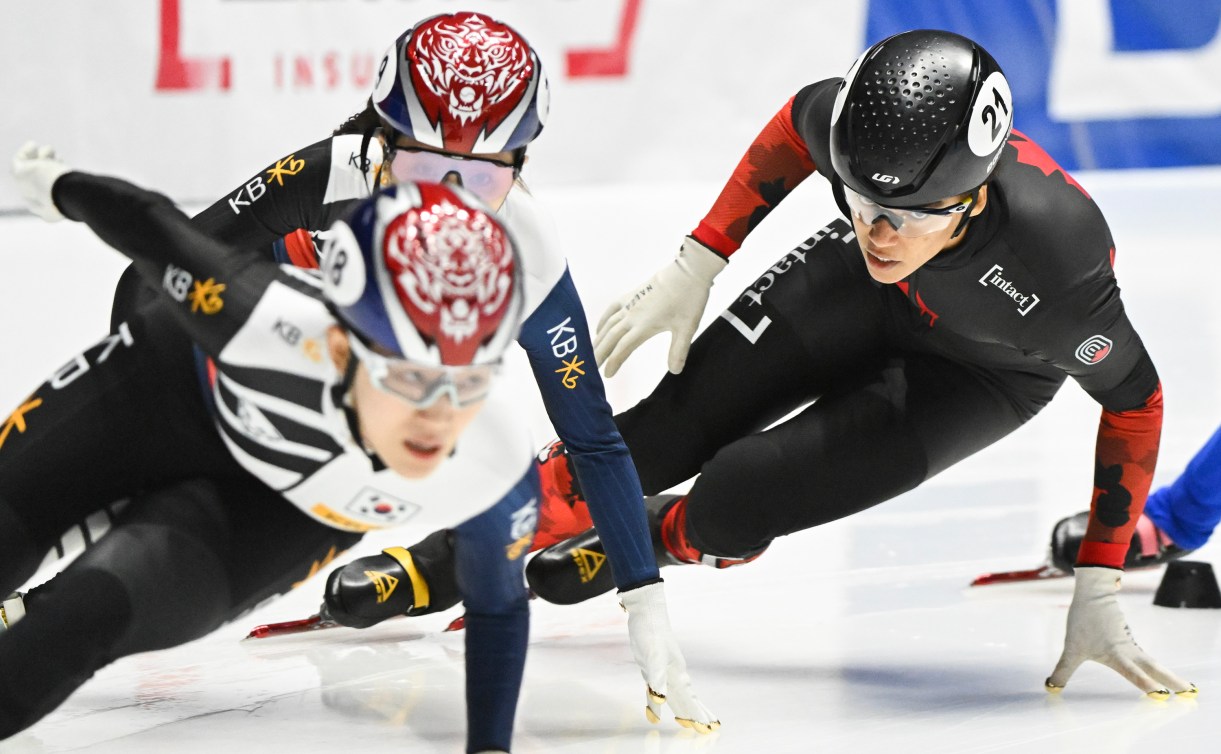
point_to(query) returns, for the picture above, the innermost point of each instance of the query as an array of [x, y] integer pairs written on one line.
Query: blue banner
[[1100, 84]]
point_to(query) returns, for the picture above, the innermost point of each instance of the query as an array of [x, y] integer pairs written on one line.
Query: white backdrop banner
[[193, 96]]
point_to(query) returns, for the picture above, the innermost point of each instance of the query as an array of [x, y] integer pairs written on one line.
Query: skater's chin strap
[[342, 395]]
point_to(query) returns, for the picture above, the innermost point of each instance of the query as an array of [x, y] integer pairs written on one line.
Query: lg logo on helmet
[[880, 178]]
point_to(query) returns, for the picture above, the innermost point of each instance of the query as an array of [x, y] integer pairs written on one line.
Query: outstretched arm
[[489, 552], [674, 298], [213, 286], [556, 338], [1097, 630], [273, 212], [1099, 347], [774, 164]]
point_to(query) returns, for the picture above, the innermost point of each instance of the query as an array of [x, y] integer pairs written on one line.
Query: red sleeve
[[773, 165], [1123, 469]]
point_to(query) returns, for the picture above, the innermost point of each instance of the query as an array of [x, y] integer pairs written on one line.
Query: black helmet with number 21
[[921, 116]]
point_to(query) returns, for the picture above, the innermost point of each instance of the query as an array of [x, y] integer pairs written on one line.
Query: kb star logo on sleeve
[[287, 166], [205, 296], [564, 343], [572, 371]]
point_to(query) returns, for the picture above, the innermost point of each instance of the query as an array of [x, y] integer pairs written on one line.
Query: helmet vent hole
[[907, 113]]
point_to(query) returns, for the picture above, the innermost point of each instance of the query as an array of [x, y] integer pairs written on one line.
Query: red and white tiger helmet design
[[463, 82], [426, 273]]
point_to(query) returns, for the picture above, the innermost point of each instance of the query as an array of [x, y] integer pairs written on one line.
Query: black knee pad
[[720, 520], [166, 549], [178, 589], [154, 581]]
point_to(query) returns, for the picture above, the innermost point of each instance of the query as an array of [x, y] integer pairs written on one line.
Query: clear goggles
[[909, 223], [489, 180], [421, 385]]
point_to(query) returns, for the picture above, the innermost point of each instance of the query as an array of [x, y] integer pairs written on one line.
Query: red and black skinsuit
[[906, 379]]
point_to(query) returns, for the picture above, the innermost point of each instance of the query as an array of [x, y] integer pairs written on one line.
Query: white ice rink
[[860, 636]]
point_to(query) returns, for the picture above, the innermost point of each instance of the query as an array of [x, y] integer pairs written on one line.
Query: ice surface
[[859, 636]]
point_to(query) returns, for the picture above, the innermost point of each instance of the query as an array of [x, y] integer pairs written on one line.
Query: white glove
[[1097, 631], [36, 169], [661, 661], [672, 300]]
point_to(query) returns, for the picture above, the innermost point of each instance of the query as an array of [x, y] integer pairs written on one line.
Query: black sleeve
[[1091, 339], [213, 286], [287, 195], [1061, 243]]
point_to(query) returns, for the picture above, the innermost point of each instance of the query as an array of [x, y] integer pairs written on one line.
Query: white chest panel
[[332, 478]]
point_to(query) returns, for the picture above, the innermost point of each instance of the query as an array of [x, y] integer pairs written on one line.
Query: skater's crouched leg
[[56, 648], [153, 581]]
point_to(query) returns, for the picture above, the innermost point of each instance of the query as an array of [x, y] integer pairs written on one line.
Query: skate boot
[[562, 512], [1150, 545], [12, 609], [400, 581], [575, 570]]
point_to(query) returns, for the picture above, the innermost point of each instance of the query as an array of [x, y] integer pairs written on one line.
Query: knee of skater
[[723, 534], [176, 585], [20, 708]]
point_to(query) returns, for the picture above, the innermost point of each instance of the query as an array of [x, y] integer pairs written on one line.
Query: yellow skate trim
[[384, 583], [588, 563], [418, 585]]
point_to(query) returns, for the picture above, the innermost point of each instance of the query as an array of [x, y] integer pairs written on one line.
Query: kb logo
[[880, 178], [1094, 349]]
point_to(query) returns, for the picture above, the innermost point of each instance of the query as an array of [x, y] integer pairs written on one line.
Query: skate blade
[[287, 628], [1046, 571]]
